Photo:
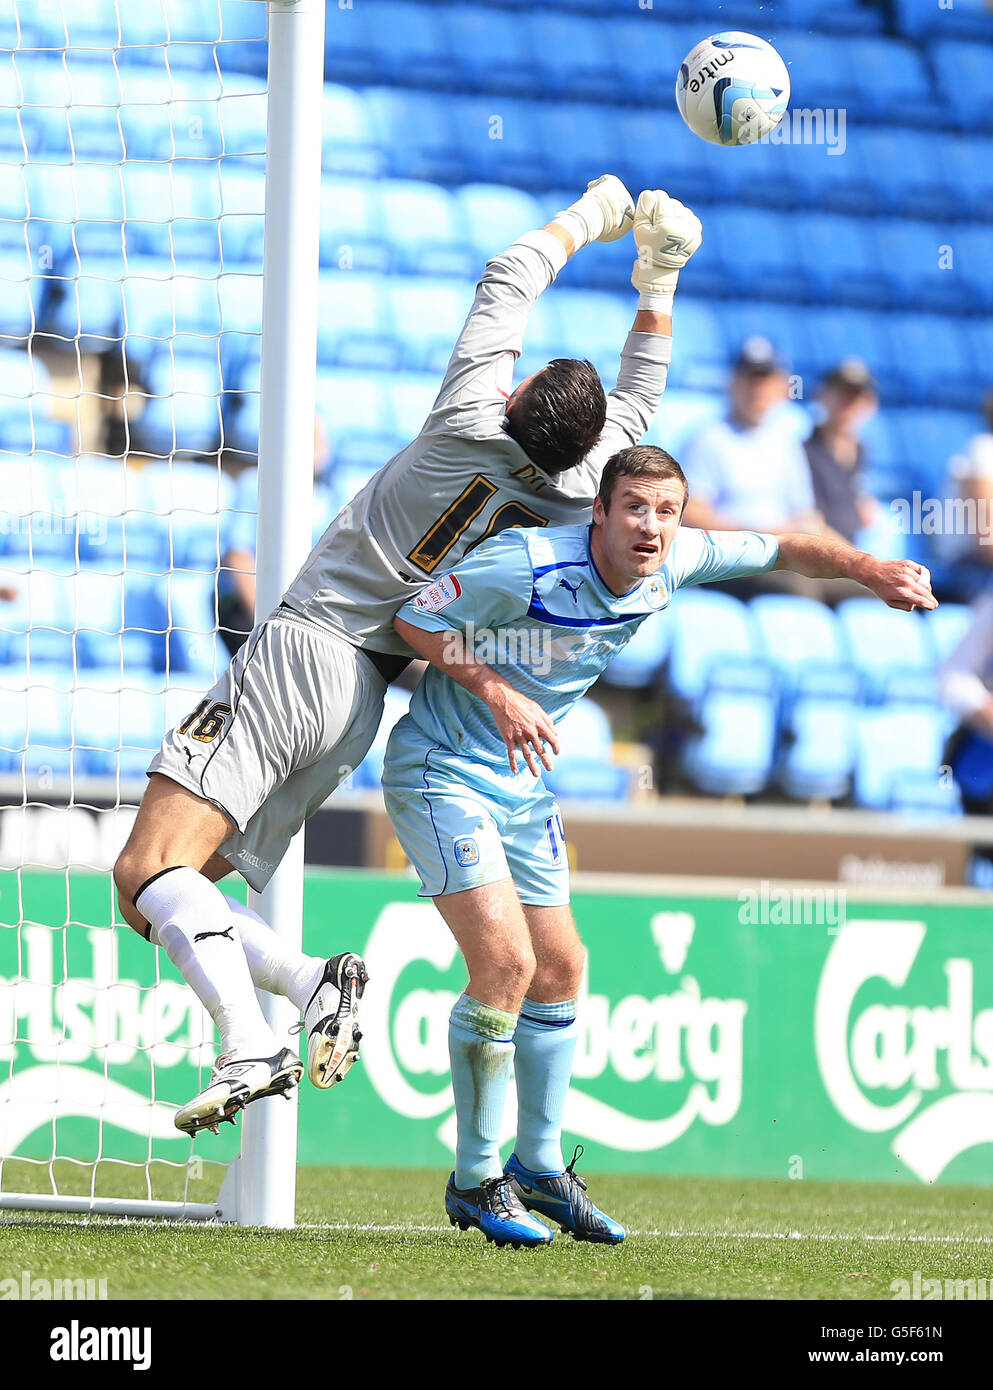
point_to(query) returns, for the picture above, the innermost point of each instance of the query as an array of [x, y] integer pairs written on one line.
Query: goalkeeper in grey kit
[[300, 704]]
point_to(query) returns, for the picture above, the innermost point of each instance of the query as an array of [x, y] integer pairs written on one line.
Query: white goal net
[[132, 139]]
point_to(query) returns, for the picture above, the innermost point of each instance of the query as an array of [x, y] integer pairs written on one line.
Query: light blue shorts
[[463, 824]]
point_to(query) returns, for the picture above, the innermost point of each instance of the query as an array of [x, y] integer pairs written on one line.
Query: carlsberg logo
[[689, 1046], [881, 1063]]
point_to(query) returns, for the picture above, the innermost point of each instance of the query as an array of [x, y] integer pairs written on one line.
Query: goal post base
[[114, 1206]]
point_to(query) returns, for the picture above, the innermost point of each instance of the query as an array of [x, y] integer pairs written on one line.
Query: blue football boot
[[562, 1198], [495, 1209]]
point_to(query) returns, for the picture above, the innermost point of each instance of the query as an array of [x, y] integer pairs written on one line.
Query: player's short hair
[[640, 461], [559, 415]]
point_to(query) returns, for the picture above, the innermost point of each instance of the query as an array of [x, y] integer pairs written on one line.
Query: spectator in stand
[[835, 454], [970, 477], [748, 472], [236, 581]]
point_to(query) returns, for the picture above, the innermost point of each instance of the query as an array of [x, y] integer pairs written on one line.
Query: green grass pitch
[[382, 1234]]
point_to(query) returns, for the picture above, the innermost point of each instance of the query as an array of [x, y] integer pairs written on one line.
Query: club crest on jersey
[[439, 594], [656, 594], [466, 851]]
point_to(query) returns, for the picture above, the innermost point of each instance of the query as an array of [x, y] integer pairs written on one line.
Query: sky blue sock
[[544, 1044], [480, 1046]]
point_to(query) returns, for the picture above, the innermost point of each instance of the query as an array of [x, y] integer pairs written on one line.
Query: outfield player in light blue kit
[[515, 634]]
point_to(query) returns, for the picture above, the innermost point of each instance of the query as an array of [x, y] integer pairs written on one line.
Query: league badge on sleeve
[[439, 594]]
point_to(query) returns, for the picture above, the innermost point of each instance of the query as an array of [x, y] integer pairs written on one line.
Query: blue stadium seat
[[911, 165], [964, 72], [242, 206], [787, 326], [849, 17], [352, 233], [410, 43], [594, 325], [121, 619], [583, 769], [358, 410], [21, 297], [883, 643], [38, 623], [797, 634], [116, 729], [912, 252], [970, 174], [490, 51], [759, 254], [504, 146], [945, 627], [83, 205], [971, 18], [835, 333], [931, 360], [816, 162], [428, 316], [164, 309], [681, 415], [72, 23], [187, 26], [840, 260], [885, 476], [817, 749], [351, 48], [495, 216], [924, 796], [172, 211], [972, 247], [646, 51], [639, 663], [351, 145], [183, 414], [928, 439], [821, 71], [708, 629], [355, 325], [426, 231], [571, 58], [734, 753], [242, 45], [444, 140], [700, 363], [411, 395], [655, 147], [193, 641], [891, 743], [574, 140], [894, 82], [195, 498]]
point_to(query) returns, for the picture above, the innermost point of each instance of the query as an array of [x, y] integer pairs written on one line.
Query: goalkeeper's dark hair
[[559, 415], [640, 461]]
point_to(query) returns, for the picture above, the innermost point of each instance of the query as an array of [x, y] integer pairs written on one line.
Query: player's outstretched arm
[[604, 213], [522, 723], [666, 234], [899, 583]]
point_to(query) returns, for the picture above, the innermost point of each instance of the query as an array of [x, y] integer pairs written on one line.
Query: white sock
[[192, 922], [274, 966]]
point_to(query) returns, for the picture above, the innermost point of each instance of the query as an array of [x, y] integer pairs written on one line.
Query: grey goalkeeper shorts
[[295, 712]]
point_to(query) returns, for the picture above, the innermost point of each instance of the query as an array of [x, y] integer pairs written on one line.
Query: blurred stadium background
[[131, 197]]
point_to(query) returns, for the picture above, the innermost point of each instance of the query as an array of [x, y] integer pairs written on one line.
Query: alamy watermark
[[820, 125], [918, 515], [31, 1287], [917, 1287], [501, 646], [771, 906]]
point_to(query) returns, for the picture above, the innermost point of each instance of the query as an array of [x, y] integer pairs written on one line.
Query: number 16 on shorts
[[556, 837]]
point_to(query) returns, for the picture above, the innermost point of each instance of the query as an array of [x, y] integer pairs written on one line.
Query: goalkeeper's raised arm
[[666, 235], [478, 381]]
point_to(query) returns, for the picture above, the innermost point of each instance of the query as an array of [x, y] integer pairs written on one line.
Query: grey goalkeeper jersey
[[464, 478]]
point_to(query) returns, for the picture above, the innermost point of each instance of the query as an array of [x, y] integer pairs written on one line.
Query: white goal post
[[90, 1068]]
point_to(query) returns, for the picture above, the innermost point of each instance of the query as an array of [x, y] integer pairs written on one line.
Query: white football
[[732, 89]]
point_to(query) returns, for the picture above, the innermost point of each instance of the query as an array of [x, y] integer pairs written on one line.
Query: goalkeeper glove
[[667, 234], [604, 212]]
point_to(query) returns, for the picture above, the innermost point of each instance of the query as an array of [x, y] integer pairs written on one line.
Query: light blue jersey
[[533, 605]]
